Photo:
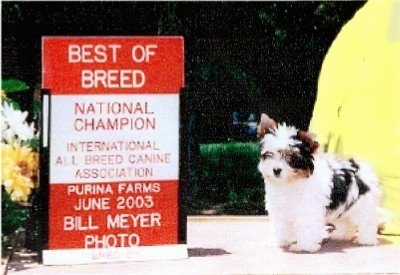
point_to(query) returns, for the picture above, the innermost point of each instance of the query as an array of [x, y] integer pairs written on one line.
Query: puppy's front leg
[[283, 230], [309, 234]]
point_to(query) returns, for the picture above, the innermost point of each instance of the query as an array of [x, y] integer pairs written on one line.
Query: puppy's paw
[[310, 248], [285, 243]]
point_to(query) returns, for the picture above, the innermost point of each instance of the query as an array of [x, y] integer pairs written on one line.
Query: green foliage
[[19, 216], [13, 215], [14, 85], [230, 178]]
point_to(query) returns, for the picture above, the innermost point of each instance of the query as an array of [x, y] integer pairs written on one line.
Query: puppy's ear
[[265, 126], [308, 139]]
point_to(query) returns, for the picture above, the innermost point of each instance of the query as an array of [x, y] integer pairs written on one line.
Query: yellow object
[[19, 168], [357, 112]]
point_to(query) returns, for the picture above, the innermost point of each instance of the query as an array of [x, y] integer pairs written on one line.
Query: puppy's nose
[[277, 171]]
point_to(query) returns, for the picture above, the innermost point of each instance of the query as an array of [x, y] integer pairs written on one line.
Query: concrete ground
[[243, 245]]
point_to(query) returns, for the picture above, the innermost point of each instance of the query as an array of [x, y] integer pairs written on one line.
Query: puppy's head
[[286, 153]]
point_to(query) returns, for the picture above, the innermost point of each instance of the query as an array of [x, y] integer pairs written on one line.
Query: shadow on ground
[[339, 246], [206, 252]]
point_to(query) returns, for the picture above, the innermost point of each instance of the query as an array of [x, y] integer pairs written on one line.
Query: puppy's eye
[[267, 155]]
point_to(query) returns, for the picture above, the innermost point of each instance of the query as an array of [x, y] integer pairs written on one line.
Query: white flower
[[14, 125]]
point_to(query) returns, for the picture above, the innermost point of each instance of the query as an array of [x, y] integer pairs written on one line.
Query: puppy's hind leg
[[343, 230], [366, 219]]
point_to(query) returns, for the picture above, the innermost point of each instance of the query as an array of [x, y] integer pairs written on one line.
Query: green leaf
[[14, 85], [13, 103], [33, 143]]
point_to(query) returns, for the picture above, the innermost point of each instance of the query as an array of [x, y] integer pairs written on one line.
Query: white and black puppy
[[307, 189]]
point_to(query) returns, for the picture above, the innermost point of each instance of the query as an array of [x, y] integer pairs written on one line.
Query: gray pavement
[[243, 245]]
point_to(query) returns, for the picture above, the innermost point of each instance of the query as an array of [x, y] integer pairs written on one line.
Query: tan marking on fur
[[309, 139], [265, 126]]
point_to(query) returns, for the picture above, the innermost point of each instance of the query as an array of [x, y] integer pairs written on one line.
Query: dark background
[[243, 57]]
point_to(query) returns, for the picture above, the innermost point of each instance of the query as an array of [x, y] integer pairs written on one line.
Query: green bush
[[230, 180]]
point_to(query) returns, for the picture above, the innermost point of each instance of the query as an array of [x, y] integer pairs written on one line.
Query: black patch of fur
[[341, 188], [304, 160], [342, 182], [362, 187]]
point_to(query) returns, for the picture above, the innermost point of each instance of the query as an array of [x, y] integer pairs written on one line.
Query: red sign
[[110, 215], [123, 65], [114, 143]]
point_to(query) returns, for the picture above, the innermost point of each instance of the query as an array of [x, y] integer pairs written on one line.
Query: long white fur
[[297, 205]]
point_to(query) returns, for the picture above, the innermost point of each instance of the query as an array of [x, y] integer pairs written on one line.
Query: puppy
[[308, 190]]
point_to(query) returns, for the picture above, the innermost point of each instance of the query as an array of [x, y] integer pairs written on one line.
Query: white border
[[123, 254], [45, 120]]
